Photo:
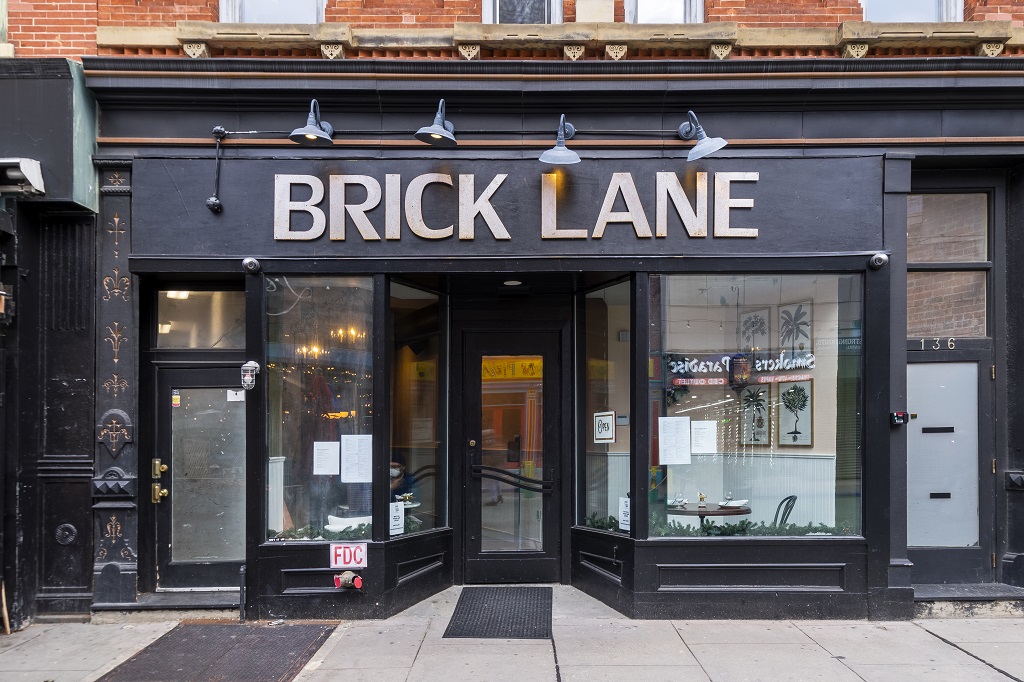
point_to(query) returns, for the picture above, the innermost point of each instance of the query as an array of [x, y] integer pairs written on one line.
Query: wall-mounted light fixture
[[440, 133], [561, 155], [315, 133], [21, 177], [705, 145]]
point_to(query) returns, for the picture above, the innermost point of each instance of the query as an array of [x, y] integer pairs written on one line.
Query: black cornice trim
[[553, 68]]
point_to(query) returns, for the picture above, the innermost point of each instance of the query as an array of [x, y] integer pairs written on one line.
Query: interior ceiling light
[[440, 133], [315, 133], [705, 145], [511, 282], [560, 155]]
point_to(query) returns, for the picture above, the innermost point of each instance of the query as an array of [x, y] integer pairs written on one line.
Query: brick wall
[[783, 13], [155, 12], [402, 13], [51, 28], [994, 10]]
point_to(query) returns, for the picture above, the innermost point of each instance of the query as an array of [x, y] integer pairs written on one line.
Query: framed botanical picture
[[795, 328], [755, 333], [754, 424], [796, 423]]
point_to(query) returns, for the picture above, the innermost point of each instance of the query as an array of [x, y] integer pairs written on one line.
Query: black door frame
[[202, 574], [547, 313], [989, 352], [519, 566]]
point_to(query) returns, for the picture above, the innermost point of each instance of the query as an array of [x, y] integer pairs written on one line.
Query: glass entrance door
[[198, 479], [511, 416]]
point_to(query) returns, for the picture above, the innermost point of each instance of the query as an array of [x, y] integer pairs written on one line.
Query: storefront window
[[756, 394], [319, 382], [606, 469], [417, 471]]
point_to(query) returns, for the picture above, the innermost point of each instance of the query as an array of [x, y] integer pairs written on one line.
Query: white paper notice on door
[[704, 437], [325, 458], [674, 440], [357, 459]]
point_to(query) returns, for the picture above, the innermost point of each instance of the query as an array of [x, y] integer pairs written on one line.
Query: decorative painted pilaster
[[115, 487]]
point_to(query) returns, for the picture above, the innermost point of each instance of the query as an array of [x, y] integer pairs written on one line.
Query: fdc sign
[[348, 555]]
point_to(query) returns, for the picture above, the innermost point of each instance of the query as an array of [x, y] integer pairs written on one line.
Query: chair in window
[[783, 511]]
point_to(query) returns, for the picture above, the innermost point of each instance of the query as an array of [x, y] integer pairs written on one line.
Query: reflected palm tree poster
[[795, 413], [754, 403], [795, 328]]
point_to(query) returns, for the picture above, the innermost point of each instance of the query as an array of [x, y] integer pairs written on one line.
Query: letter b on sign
[[348, 555]]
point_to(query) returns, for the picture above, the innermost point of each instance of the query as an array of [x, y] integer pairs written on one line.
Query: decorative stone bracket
[[852, 39], [612, 39], [985, 38]]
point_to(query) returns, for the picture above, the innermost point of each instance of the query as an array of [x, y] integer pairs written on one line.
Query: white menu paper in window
[[397, 518], [325, 458], [674, 440], [357, 459], [704, 437]]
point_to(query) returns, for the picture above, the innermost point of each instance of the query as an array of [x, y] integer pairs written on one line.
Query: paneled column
[[115, 485]]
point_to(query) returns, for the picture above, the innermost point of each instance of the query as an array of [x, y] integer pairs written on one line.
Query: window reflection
[[756, 389], [319, 379], [608, 319], [416, 468]]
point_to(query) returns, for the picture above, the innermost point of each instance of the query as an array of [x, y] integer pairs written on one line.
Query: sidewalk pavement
[[590, 642]]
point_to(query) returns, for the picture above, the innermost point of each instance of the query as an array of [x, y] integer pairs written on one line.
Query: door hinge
[[993, 466], [993, 372], [993, 559]]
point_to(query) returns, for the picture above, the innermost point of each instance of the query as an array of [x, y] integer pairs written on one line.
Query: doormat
[[224, 651], [502, 613]]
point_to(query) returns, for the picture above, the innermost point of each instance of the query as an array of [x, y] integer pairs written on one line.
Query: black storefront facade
[[679, 386]]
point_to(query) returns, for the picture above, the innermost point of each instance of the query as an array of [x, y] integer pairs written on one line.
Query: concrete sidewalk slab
[[770, 662], [591, 642], [74, 651]]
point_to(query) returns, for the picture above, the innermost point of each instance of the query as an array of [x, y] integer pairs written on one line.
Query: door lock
[[158, 468], [158, 493], [472, 443]]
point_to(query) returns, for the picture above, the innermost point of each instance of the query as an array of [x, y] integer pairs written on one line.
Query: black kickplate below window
[[224, 651], [502, 613]]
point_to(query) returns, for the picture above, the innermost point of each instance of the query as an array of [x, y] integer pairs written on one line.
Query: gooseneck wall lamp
[[440, 133], [315, 133], [561, 155], [705, 145]]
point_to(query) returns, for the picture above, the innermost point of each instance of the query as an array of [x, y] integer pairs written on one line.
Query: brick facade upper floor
[[537, 29]]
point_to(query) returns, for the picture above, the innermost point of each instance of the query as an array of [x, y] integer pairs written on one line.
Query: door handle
[[157, 493]]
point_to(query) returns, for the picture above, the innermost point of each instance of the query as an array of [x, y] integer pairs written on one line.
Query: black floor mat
[[502, 613], [224, 651]]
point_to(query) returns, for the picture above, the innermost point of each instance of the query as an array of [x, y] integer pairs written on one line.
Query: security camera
[[251, 265], [878, 261], [21, 177]]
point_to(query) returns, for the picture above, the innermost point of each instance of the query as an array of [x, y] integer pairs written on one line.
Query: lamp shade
[[440, 133], [705, 145], [315, 133], [560, 155]]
